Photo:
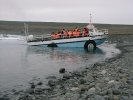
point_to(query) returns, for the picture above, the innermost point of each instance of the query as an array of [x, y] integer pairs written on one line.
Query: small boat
[[90, 37]]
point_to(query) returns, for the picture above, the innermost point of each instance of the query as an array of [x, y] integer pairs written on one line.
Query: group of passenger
[[70, 33]]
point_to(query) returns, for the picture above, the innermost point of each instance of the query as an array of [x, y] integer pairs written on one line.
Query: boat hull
[[71, 42]]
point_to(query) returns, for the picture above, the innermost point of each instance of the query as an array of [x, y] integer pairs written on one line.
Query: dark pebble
[[51, 83], [82, 81], [62, 70], [38, 91], [40, 83], [33, 85], [29, 91], [116, 92], [4, 98], [66, 76], [129, 81]]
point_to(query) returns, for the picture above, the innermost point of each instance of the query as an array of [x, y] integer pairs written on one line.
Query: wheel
[[90, 45]]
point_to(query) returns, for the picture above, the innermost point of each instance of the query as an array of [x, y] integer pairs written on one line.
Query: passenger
[[85, 32], [78, 33], [55, 36], [62, 32], [74, 33], [58, 35], [65, 34], [70, 33]]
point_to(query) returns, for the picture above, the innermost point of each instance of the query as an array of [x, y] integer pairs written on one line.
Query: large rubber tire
[[52, 45], [90, 45]]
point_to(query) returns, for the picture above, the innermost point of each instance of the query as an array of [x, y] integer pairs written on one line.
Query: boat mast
[[90, 17], [90, 20], [26, 30]]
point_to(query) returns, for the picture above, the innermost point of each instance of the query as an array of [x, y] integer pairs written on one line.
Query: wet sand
[[108, 80]]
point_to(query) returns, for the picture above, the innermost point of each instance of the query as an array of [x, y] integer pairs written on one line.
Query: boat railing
[[47, 37], [35, 38]]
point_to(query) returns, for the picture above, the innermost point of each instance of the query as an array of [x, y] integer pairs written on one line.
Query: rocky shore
[[108, 80]]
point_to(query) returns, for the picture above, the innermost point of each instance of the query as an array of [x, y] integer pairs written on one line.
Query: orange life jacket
[[65, 34], [74, 33], [70, 33]]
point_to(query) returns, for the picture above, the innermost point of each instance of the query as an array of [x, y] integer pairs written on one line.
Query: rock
[[51, 83], [94, 75], [77, 73], [4, 98], [46, 89], [82, 81], [89, 78], [131, 92], [62, 70], [120, 70], [44, 98], [29, 91], [116, 86], [110, 97], [83, 96], [74, 89], [38, 91], [130, 82], [32, 85], [91, 85], [116, 98], [124, 98], [91, 91], [125, 92], [67, 76], [99, 86], [103, 72], [75, 97], [13, 90], [82, 88], [109, 92], [97, 97], [106, 78], [51, 77], [60, 98], [39, 83], [68, 95], [103, 93], [111, 82], [116, 92], [106, 97]]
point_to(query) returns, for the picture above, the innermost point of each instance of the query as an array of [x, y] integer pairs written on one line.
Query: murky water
[[20, 63]]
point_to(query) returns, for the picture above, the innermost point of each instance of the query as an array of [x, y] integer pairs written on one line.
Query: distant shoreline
[[17, 27]]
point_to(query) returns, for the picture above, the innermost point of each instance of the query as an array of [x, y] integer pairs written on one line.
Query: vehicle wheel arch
[[89, 42]]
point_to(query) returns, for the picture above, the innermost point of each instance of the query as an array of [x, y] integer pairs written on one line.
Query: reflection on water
[[62, 53], [19, 63], [70, 58]]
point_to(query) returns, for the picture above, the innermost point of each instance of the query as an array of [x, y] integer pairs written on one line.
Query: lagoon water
[[20, 63]]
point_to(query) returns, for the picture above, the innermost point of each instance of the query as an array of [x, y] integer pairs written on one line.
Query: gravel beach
[[108, 80]]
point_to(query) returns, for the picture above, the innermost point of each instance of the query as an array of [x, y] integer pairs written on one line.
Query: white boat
[[94, 38]]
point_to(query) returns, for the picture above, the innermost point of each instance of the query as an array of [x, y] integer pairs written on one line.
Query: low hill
[[15, 27]]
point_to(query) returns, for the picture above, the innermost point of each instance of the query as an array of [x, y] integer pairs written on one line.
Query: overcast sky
[[103, 11]]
